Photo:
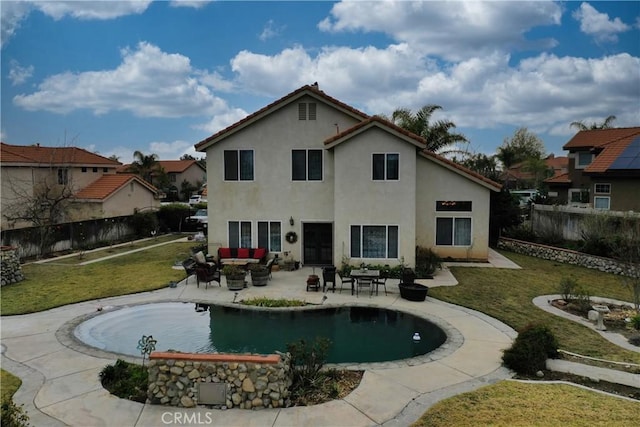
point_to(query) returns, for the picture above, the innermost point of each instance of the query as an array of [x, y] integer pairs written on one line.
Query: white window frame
[[597, 198], [386, 164], [306, 165], [239, 179], [386, 249], [239, 237], [595, 188], [454, 218], [269, 223], [583, 165]]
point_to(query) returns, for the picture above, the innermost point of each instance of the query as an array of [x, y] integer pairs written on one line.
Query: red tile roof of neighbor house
[[562, 178], [518, 171], [40, 155], [177, 166], [310, 89], [106, 185], [599, 137]]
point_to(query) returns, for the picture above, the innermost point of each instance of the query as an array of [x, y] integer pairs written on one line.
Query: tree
[[42, 202], [187, 156], [606, 124], [486, 166], [145, 165], [540, 170], [439, 135], [523, 145]]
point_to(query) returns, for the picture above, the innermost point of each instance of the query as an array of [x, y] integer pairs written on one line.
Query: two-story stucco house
[[349, 185], [604, 170], [94, 190]]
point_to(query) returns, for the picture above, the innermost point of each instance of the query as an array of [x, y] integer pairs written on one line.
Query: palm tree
[[145, 165], [439, 135], [604, 125]]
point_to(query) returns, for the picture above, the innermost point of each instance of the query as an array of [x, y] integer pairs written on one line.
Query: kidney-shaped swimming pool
[[357, 334]]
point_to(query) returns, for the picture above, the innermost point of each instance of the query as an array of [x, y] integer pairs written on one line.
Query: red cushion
[[225, 252], [259, 253], [243, 252]]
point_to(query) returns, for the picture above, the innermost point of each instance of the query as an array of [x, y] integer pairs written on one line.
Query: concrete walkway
[[61, 385]]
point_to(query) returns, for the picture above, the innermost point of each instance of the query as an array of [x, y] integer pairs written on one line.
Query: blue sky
[[115, 77]]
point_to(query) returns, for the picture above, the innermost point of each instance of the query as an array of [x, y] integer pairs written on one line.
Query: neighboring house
[[349, 186], [519, 176], [177, 171], [604, 170], [27, 170]]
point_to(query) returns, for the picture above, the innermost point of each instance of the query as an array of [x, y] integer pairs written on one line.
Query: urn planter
[[413, 291], [259, 277]]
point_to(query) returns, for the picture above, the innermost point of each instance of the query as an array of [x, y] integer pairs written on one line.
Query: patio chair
[[207, 274], [381, 281], [364, 282], [329, 276], [189, 266], [346, 279]]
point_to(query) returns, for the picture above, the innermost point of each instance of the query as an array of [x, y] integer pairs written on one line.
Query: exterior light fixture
[[291, 222]]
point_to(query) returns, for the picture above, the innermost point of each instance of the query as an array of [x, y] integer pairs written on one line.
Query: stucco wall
[[272, 195], [436, 182], [362, 201]]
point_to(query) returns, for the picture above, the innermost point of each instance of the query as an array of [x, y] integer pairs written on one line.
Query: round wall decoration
[[291, 237]]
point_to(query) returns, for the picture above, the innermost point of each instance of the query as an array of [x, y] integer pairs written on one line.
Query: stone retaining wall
[[566, 256], [252, 381], [10, 266]]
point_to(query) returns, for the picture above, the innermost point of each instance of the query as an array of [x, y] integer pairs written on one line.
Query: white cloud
[[171, 150], [222, 120], [196, 4], [451, 30], [542, 92], [92, 9], [270, 31], [148, 83], [19, 74], [599, 24], [13, 12]]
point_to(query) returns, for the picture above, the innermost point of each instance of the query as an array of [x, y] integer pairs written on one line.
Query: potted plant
[[235, 277], [259, 274]]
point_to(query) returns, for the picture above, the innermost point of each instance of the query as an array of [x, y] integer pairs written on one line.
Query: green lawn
[[51, 285], [510, 403], [9, 384], [507, 295]]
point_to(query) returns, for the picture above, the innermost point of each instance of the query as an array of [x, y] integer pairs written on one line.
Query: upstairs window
[[307, 111], [95, 170], [63, 176], [386, 167], [84, 169], [238, 165], [306, 165], [584, 159], [602, 188]]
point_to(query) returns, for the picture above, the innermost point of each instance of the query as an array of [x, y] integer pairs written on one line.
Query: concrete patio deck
[[61, 384]]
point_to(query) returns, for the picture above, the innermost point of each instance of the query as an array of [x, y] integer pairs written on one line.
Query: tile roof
[[177, 166], [599, 137], [519, 170], [108, 184], [562, 178], [307, 89], [610, 154], [39, 155]]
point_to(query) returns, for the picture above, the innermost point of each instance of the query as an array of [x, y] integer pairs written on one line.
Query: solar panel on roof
[[630, 157]]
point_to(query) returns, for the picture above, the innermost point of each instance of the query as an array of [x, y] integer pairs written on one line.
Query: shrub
[[568, 288], [533, 346], [13, 415], [269, 302], [635, 339], [307, 359], [126, 380], [427, 261], [522, 232], [635, 322]]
